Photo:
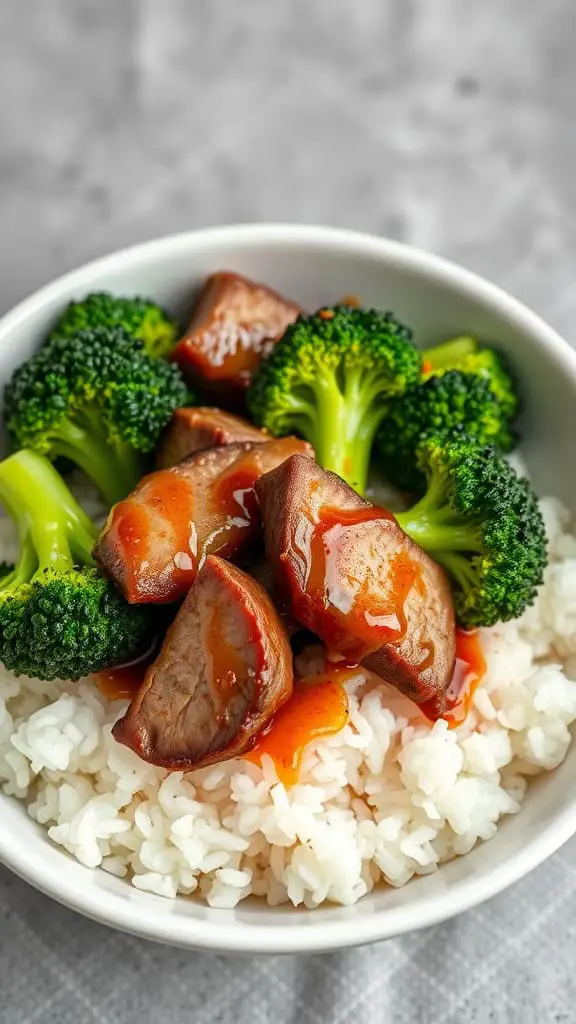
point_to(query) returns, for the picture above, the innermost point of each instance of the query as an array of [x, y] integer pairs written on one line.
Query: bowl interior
[[437, 301]]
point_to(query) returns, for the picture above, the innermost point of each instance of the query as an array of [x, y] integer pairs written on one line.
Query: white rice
[[388, 798]]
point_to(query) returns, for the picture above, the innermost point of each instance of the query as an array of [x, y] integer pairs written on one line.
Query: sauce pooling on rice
[[317, 708], [469, 671], [122, 682]]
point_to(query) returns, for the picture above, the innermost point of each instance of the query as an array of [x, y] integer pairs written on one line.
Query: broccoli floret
[[141, 318], [448, 404], [448, 355], [59, 617], [96, 399], [466, 355], [482, 523], [329, 377]]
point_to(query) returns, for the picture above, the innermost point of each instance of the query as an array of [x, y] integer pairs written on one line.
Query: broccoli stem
[[115, 468], [437, 537], [449, 353], [343, 424], [460, 568], [25, 566], [331, 416], [54, 531], [436, 527]]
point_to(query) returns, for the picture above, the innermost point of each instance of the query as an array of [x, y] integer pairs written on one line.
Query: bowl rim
[[218, 934]]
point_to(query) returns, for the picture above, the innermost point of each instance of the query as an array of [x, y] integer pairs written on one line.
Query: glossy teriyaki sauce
[[154, 534], [335, 597], [122, 682], [469, 671], [318, 707]]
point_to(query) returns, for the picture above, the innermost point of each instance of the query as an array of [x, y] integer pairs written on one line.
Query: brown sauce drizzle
[[234, 490], [358, 626], [469, 671], [318, 707], [164, 497], [169, 496], [122, 682], [225, 665], [235, 497]]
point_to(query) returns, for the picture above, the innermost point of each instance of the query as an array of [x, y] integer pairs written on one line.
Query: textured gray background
[[445, 123]]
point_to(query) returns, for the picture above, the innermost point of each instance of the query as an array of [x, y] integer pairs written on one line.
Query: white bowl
[[438, 299]]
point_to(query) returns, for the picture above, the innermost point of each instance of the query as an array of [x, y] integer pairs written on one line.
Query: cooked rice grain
[[390, 797]]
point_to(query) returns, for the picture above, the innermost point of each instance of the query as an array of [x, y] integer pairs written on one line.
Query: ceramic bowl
[[438, 299]]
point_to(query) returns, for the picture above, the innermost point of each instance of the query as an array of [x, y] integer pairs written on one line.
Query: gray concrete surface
[[445, 123]]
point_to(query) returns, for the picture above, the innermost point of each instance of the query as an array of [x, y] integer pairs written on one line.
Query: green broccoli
[[482, 523], [466, 355], [141, 318], [451, 403], [448, 355], [96, 399], [59, 617], [329, 378]]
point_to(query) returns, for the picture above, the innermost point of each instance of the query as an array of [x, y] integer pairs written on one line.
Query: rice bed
[[388, 798]]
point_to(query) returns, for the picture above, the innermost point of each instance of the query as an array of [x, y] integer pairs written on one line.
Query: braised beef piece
[[193, 428], [155, 540], [234, 324], [224, 670], [348, 572], [260, 569]]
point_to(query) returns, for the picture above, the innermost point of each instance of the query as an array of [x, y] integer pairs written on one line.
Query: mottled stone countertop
[[444, 123]]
